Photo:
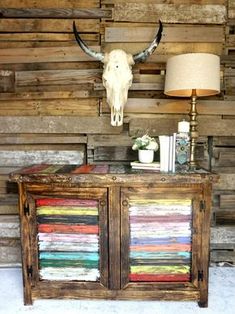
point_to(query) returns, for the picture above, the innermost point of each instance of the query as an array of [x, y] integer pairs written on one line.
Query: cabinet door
[[68, 237], [161, 236]]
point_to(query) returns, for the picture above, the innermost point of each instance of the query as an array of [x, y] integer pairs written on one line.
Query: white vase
[[146, 155]]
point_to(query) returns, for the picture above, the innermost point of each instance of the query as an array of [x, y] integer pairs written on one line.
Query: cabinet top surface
[[45, 173]]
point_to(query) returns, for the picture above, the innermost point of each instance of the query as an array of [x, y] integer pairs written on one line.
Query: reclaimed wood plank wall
[[53, 107]]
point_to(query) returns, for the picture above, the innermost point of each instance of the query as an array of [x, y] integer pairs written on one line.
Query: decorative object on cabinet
[[146, 147], [193, 75], [112, 232], [117, 75]]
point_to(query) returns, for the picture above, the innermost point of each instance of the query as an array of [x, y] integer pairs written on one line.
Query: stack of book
[[167, 152], [153, 166]]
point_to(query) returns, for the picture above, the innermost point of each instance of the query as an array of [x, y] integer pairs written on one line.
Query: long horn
[[143, 55], [97, 55]]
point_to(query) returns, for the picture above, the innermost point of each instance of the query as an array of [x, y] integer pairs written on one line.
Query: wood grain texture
[[176, 33], [49, 4], [142, 12], [56, 13], [50, 54], [57, 125], [48, 25]]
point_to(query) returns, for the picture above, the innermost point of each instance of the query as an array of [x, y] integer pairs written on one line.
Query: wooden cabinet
[[110, 232]]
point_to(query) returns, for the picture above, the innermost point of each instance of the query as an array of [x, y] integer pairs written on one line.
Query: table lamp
[[193, 75]]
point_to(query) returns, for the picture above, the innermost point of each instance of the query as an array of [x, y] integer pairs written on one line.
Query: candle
[[183, 126]]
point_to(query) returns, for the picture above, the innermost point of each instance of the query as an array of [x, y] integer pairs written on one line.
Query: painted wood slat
[[149, 254], [62, 201], [66, 250], [69, 273], [159, 277], [67, 247], [71, 219], [168, 13], [58, 228]]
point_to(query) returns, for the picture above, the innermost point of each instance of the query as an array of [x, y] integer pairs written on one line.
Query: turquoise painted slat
[[69, 256]]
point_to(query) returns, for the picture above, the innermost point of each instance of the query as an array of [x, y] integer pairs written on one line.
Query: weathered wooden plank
[[227, 256], [224, 156], [7, 81], [223, 234], [207, 126], [49, 4], [60, 125], [57, 107], [226, 182], [24, 158], [122, 139], [166, 49], [50, 54], [168, 13], [8, 209], [48, 25], [230, 40], [9, 204], [114, 153], [47, 37], [176, 33], [56, 13], [224, 141], [225, 217], [57, 77], [42, 139], [45, 95], [168, 1], [227, 201], [10, 252], [9, 226], [162, 106], [49, 66], [54, 88]]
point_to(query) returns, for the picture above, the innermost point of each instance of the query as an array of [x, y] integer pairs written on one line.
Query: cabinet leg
[[203, 303]]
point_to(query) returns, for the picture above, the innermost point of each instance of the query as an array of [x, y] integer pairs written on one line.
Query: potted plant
[[146, 147]]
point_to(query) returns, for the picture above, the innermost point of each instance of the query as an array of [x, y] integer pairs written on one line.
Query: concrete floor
[[221, 299]]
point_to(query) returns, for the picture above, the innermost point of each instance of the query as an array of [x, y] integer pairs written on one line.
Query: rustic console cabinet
[[111, 232]]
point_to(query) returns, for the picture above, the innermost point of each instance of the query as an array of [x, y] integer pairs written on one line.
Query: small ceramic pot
[[146, 155]]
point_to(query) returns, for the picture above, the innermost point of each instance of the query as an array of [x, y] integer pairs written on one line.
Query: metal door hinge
[[202, 205], [30, 271], [26, 208], [200, 276]]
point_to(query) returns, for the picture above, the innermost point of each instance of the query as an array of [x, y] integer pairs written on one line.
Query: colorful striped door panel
[[68, 239], [160, 240]]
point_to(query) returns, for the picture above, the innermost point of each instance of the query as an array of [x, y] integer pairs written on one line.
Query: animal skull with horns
[[117, 75]]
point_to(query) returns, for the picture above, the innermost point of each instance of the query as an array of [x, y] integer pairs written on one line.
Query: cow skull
[[117, 74]]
